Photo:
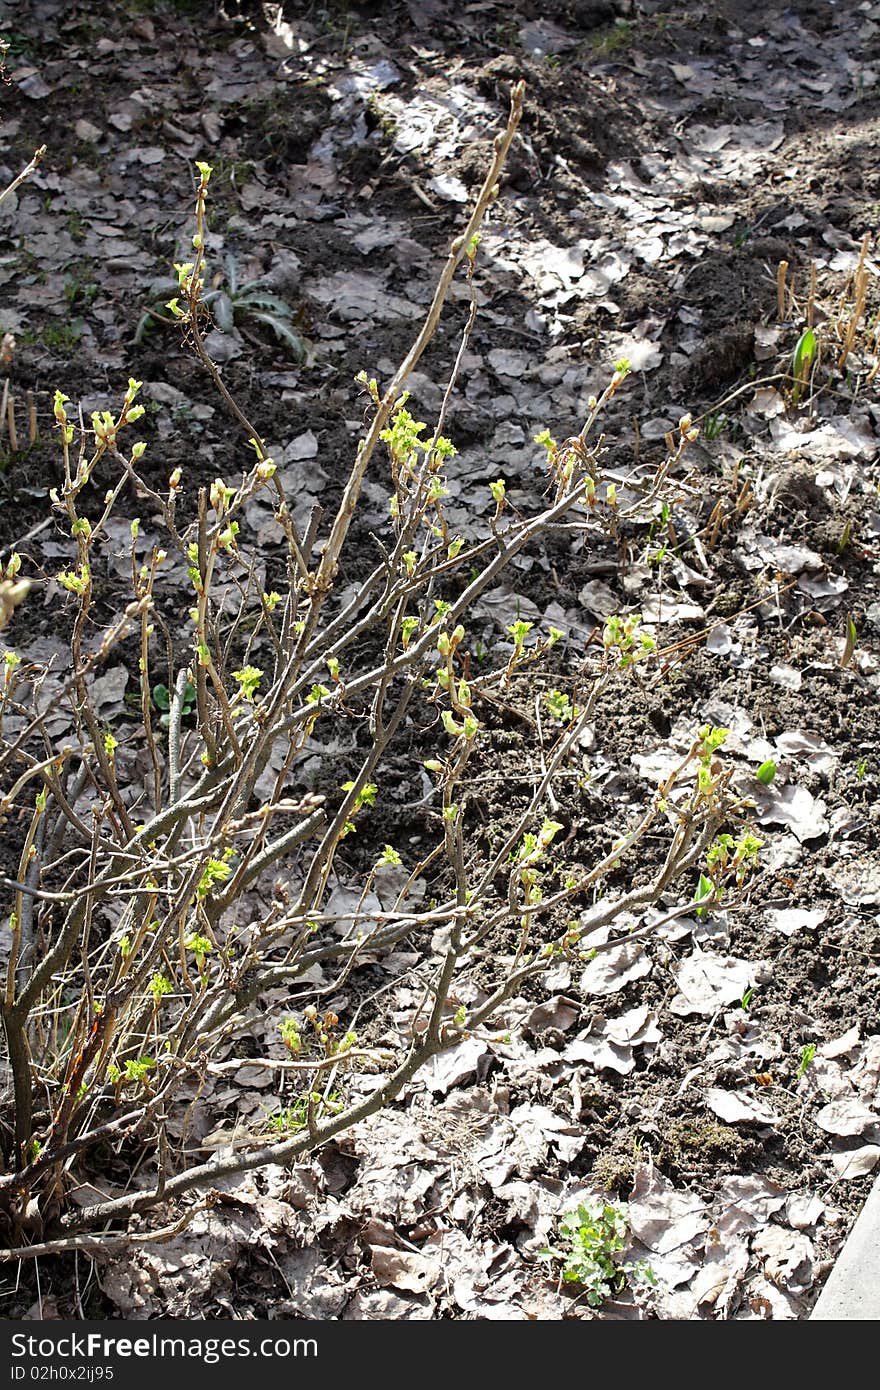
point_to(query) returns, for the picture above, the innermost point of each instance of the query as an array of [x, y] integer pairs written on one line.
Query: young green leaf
[[704, 892], [802, 362]]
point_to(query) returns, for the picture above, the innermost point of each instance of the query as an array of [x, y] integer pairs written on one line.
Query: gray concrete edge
[[852, 1290]]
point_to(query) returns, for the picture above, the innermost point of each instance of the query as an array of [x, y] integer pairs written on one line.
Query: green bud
[[450, 725]]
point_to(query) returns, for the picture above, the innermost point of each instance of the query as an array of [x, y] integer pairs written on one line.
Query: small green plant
[[379, 118], [861, 768], [766, 772], [560, 706], [230, 302], [714, 425], [589, 1239], [63, 336], [162, 701], [287, 1119], [13, 45], [628, 639], [290, 1119], [808, 1052], [75, 225], [78, 293]]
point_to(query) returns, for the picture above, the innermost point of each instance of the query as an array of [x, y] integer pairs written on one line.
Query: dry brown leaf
[[404, 1269], [846, 1115], [739, 1108]]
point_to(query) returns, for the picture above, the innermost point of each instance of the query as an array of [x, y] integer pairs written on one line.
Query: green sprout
[[221, 496], [711, 739], [402, 436], [727, 855], [802, 362], [546, 440], [706, 893], [808, 1052], [467, 729], [715, 423]]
